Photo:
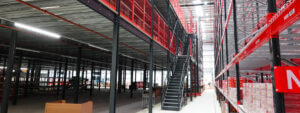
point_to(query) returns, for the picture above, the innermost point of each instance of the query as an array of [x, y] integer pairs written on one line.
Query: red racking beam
[[224, 31], [276, 24]]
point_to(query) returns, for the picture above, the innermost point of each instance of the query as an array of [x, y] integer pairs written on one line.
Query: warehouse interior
[[149, 56]]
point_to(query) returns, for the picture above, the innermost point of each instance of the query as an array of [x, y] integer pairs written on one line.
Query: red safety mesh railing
[[139, 13], [191, 25], [110, 3], [179, 12]]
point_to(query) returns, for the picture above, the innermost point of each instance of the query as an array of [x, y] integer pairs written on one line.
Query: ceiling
[[76, 22]]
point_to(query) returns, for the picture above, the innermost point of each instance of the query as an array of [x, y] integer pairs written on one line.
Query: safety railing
[[183, 74], [139, 14]]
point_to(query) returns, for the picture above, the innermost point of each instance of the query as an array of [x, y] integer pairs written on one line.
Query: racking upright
[[134, 32], [251, 58]]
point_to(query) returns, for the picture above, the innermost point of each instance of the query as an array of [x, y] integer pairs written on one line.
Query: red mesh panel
[[148, 9], [110, 3], [138, 17], [139, 12], [139, 3], [148, 25], [126, 8]]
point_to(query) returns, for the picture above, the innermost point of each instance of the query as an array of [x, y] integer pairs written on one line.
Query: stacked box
[[269, 98], [232, 94], [292, 103], [258, 98]]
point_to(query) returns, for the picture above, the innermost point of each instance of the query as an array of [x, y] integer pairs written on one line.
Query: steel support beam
[[54, 75], [151, 61], [114, 64], [32, 76], [76, 84], [124, 77], [4, 65], [59, 77], [9, 72], [17, 80], [131, 79], [145, 77], [154, 77], [65, 80], [237, 67], [262, 77], [226, 44], [105, 79], [278, 98], [92, 79], [48, 76], [27, 78], [197, 64], [120, 79], [82, 74], [100, 76]]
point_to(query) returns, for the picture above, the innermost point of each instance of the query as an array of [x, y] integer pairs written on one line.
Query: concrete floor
[[206, 103], [36, 103]]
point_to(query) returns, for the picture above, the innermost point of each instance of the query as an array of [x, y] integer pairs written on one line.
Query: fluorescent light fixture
[[50, 7], [40, 31]]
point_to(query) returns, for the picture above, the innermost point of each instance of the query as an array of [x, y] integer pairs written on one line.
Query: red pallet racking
[[267, 29]]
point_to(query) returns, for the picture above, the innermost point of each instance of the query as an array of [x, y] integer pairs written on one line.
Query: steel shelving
[[255, 36]]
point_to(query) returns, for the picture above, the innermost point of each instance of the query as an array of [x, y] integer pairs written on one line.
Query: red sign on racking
[[287, 79]]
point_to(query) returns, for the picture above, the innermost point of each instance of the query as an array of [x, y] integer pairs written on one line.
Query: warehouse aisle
[[206, 103]]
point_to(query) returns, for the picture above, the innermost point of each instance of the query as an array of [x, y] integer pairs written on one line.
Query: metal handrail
[[167, 79], [186, 63]]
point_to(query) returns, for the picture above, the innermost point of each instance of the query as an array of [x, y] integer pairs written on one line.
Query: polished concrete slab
[[36, 103], [206, 103]]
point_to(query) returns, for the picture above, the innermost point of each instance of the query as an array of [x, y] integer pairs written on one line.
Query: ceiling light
[[40, 31], [50, 7]]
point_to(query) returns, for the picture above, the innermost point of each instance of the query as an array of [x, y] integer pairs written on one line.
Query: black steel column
[[154, 76], [197, 65], [124, 77], [59, 77], [76, 84], [48, 76], [92, 79], [262, 77], [4, 65], [131, 79], [226, 43], [151, 61], [162, 76], [82, 74], [237, 67], [169, 39], [274, 44], [32, 76], [120, 79], [135, 71], [114, 64], [144, 78], [191, 81], [54, 76], [65, 80], [9, 72], [100, 76], [105, 79], [18, 72], [27, 78]]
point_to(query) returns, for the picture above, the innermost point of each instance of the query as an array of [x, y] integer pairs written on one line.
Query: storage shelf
[[240, 108]]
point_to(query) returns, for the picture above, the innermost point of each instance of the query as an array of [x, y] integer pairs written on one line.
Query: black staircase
[[173, 93]]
